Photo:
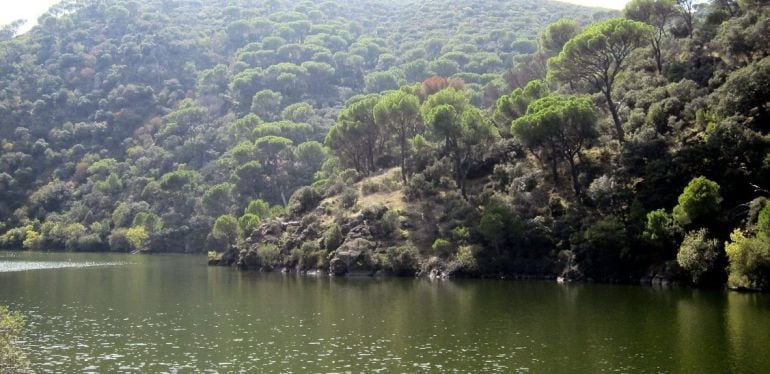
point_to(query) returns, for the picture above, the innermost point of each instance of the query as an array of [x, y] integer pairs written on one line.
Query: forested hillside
[[451, 138], [162, 115]]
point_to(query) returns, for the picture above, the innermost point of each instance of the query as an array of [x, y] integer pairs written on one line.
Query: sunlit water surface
[[121, 313]]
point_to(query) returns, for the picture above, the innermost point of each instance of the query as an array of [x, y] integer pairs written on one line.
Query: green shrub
[[12, 359], [442, 247], [248, 223], [699, 203], [308, 256], [333, 237], [226, 229], [349, 198], [303, 200], [697, 254], [660, 226], [372, 187], [749, 261], [417, 187], [390, 221], [137, 237], [402, 261], [270, 255], [466, 255], [259, 208], [118, 241]]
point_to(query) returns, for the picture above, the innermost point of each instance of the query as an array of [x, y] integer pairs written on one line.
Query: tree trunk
[[554, 171], [614, 111], [404, 173], [574, 173], [658, 59]]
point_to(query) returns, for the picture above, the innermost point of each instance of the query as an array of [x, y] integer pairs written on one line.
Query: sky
[[611, 4], [11, 10]]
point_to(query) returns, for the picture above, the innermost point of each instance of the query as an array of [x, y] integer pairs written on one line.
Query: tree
[[309, 157], [463, 129], [686, 10], [398, 112], [259, 208], [10, 30], [513, 106], [658, 14], [597, 55], [266, 104], [699, 203], [557, 34], [217, 199], [137, 237], [562, 126], [749, 258], [746, 93], [248, 223], [275, 155], [697, 254], [226, 229], [380, 81], [356, 138]]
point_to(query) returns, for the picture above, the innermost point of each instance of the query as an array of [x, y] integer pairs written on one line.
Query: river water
[[122, 313]]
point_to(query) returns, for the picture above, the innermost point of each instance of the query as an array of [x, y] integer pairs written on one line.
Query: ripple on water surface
[[11, 266]]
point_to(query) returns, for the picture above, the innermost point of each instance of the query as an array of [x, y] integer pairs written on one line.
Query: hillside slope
[[148, 114]]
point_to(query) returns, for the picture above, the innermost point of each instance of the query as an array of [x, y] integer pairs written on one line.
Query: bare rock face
[[353, 256], [358, 232], [249, 260], [268, 232]]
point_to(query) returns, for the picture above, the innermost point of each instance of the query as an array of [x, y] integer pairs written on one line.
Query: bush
[[605, 244], [699, 203], [303, 200], [749, 261], [308, 256], [13, 238], [660, 226], [442, 248], [349, 198], [85, 243], [118, 241], [466, 256], [248, 223], [270, 255], [390, 221], [259, 208], [402, 261], [697, 254], [371, 187], [226, 229], [137, 237], [333, 237], [417, 187], [12, 359]]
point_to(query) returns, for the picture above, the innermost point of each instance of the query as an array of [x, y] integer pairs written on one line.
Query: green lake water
[[122, 313]]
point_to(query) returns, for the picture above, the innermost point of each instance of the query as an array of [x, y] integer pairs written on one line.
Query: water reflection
[[172, 313]]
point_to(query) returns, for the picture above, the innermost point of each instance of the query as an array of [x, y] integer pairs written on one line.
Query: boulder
[[353, 257], [358, 232], [338, 267], [249, 260]]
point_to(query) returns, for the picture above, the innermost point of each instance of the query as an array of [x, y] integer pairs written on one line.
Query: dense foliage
[[477, 138], [12, 359], [133, 125]]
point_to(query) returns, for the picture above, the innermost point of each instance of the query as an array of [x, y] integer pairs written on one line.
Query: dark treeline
[[455, 137]]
